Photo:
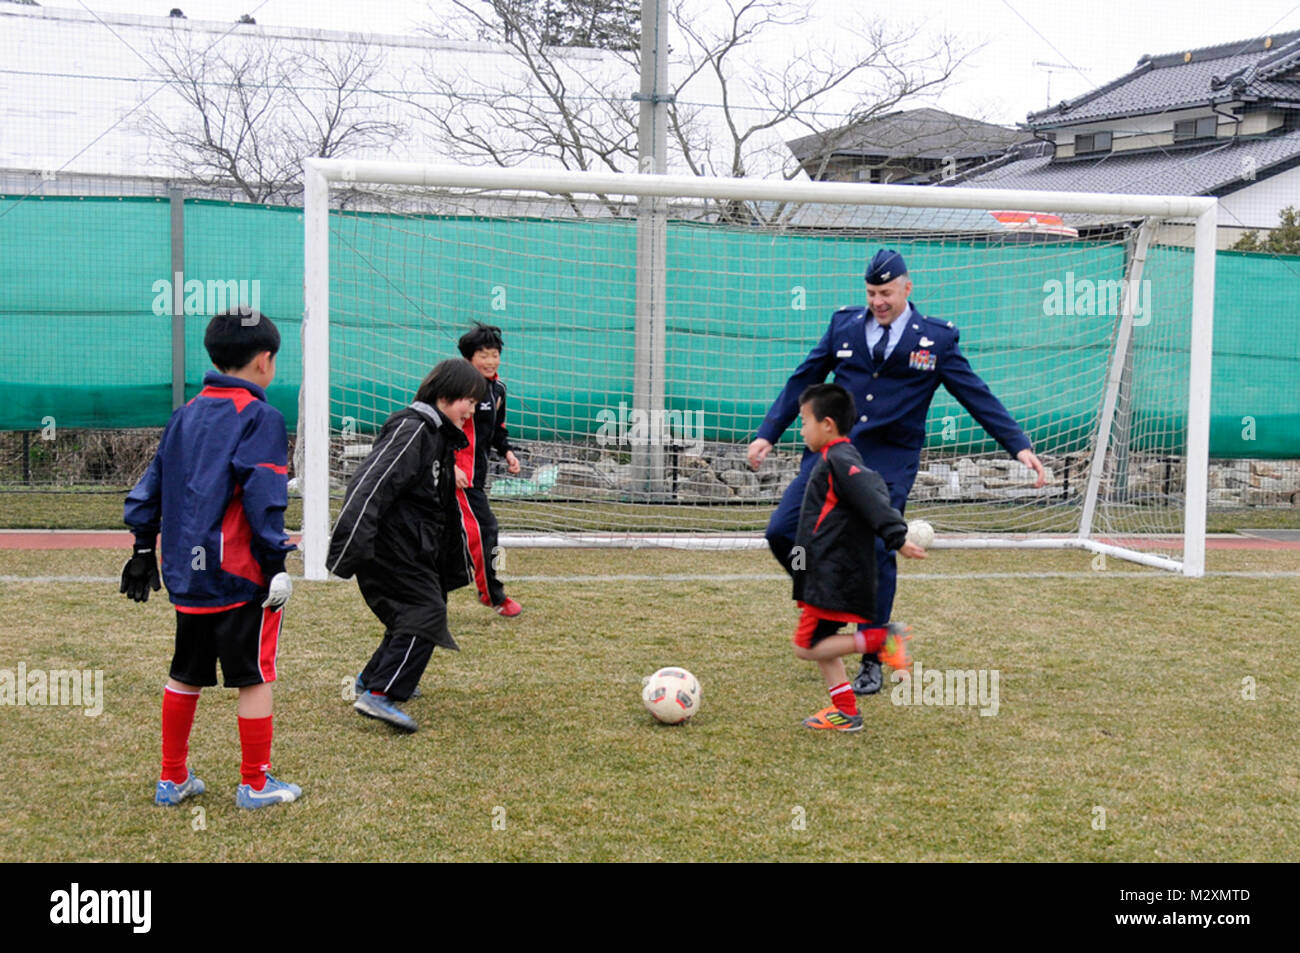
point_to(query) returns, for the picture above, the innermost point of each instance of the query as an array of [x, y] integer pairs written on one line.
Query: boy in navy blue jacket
[[217, 489], [845, 508]]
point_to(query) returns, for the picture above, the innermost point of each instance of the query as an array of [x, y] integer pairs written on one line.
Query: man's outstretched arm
[[972, 393]]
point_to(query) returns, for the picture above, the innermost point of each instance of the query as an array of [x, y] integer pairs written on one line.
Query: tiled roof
[[912, 133], [1212, 169], [1188, 79]]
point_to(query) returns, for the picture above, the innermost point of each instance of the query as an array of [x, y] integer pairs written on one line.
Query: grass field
[[1119, 689]]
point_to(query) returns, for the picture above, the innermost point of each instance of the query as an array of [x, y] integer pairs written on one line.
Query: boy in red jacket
[[845, 507]]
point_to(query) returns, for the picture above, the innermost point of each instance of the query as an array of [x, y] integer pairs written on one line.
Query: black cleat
[[868, 680]]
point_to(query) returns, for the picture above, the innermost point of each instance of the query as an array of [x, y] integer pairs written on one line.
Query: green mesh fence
[[81, 343]]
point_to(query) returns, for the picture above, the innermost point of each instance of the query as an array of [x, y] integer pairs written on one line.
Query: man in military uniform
[[891, 358]]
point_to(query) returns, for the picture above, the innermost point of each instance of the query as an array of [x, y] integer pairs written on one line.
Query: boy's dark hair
[[235, 337], [479, 338], [451, 380], [833, 401]]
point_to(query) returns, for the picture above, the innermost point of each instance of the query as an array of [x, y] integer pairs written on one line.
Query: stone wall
[[719, 473]]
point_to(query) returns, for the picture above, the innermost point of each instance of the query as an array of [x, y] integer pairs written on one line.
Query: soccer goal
[[650, 321]]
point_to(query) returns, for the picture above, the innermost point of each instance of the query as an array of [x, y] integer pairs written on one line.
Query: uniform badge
[[921, 361], [926, 342], [843, 353]]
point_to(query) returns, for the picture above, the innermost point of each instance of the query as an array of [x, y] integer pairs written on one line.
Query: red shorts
[[816, 624]]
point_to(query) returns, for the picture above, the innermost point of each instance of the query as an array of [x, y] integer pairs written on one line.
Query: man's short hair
[[235, 337], [481, 337], [833, 401], [451, 380]]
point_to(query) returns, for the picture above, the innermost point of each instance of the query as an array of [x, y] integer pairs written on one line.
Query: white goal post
[[1128, 470]]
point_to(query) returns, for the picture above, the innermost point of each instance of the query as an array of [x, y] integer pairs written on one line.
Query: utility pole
[[651, 252]]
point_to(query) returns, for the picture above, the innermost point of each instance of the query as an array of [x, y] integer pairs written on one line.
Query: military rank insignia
[[921, 361]]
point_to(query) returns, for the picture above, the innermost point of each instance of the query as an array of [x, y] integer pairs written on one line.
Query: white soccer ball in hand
[[920, 533], [672, 695]]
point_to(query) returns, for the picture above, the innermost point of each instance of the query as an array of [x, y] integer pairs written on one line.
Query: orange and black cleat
[[832, 719], [894, 653]]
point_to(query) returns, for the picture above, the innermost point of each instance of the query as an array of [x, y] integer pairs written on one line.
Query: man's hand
[[757, 453], [1027, 457], [140, 574], [279, 591], [512, 462], [462, 481], [912, 551]]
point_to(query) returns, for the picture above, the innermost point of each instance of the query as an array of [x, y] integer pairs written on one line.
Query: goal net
[[650, 321]]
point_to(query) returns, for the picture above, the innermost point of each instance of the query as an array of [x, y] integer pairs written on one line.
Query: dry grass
[[1116, 691]]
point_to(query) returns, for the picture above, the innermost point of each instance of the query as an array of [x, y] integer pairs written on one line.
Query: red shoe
[[509, 608]]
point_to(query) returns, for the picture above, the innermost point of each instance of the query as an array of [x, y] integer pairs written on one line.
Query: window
[[1093, 142], [1188, 129]]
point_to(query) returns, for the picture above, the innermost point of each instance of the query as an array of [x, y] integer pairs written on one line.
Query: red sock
[[868, 639], [842, 697], [177, 720], [255, 745]]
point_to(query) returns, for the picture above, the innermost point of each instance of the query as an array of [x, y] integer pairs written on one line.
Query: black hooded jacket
[[397, 524], [845, 507]]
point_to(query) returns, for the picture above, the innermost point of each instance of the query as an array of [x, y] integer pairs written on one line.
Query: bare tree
[[732, 99], [254, 109], [556, 104]]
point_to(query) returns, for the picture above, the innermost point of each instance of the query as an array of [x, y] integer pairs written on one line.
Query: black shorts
[[245, 638]]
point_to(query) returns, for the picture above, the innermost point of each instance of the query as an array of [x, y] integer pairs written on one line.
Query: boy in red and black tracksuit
[[217, 488], [482, 346], [398, 533], [845, 508]]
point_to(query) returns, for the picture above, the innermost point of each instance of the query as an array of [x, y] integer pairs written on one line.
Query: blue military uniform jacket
[[892, 400]]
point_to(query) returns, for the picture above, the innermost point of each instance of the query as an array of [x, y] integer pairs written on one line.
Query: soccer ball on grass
[[672, 695]]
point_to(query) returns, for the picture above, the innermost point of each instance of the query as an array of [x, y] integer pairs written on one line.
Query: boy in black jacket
[[398, 533], [845, 507], [481, 346]]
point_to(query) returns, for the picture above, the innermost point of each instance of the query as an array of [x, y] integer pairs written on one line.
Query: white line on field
[[765, 577]]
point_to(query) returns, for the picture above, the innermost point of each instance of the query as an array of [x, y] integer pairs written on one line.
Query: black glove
[[140, 574]]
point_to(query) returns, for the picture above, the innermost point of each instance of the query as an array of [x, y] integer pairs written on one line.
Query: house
[[908, 147], [1221, 121]]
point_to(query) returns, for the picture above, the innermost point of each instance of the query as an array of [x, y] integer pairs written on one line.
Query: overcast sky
[[1091, 41]]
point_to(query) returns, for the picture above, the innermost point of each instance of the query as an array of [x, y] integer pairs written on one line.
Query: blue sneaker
[[359, 688], [273, 792], [377, 706], [169, 793]]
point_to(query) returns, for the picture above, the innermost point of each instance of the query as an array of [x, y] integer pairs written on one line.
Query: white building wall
[[73, 91], [1258, 205]]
